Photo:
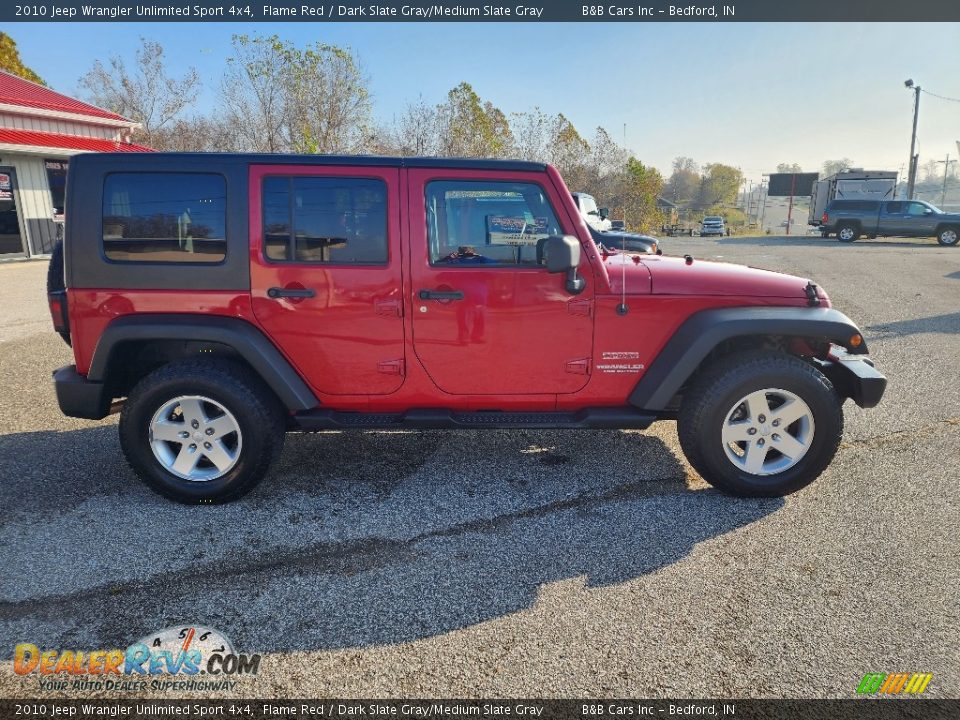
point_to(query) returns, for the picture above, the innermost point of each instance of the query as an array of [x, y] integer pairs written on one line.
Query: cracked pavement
[[516, 563]]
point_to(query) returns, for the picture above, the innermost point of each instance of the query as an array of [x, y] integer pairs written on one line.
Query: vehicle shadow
[[400, 536], [947, 323], [816, 240]]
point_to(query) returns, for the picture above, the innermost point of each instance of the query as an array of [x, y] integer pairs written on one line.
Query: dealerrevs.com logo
[[894, 683], [148, 663]]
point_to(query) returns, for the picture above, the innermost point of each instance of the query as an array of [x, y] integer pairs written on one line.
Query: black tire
[[256, 410], [948, 236], [713, 395], [55, 278], [848, 232]]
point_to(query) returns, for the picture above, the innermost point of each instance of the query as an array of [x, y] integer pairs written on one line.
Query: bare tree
[[789, 168], [832, 167], [416, 131], [145, 93], [282, 98]]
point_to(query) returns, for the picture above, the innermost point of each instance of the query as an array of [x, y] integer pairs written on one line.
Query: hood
[[627, 270], [674, 276]]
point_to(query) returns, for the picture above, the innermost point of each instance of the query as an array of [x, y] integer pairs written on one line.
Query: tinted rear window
[[165, 217]]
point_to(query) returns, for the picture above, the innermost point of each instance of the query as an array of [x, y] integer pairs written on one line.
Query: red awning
[[66, 142]]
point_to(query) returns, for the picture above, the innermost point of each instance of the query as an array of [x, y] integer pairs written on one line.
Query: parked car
[[630, 242], [850, 219], [218, 301], [850, 184], [712, 225]]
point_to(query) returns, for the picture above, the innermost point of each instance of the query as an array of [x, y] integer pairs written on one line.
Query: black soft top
[[199, 158]]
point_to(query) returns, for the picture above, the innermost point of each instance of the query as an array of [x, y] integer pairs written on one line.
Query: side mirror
[[604, 213], [928, 211], [563, 255]]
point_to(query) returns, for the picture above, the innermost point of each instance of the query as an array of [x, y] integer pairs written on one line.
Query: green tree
[[644, 184], [719, 186], [11, 62], [469, 127]]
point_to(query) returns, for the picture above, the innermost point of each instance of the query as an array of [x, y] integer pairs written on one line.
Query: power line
[[941, 97]]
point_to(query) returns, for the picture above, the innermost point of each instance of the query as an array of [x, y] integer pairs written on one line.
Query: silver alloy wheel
[[195, 438], [846, 233], [768, 431], [949, 237]]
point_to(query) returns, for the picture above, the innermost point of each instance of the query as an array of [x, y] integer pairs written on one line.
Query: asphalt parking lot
[[516, 563]]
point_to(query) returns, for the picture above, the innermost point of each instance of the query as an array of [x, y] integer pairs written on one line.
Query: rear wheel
[[848, 233], [949, 236], [763, 424], [201, 432]]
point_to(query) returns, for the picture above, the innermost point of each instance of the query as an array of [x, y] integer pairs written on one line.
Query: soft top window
[[164, 217]]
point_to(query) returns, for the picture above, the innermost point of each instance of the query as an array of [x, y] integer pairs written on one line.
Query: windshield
[[713, 219], [588, 206]]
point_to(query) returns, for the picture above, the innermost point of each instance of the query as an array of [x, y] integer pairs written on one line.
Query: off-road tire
[[257, 412], [713, 395], [949, 236], [848, 232]]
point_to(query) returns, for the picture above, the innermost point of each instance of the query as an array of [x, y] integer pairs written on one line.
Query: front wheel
[[948, 236], [201, 431], [762, 424]]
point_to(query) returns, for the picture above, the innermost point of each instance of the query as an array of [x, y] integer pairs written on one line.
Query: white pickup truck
[[597, 218]]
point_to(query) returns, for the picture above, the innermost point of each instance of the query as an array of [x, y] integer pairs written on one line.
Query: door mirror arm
[[563, 256]]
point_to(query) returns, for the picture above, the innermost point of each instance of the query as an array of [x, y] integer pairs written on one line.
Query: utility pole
[[946, 171], [912, 176]]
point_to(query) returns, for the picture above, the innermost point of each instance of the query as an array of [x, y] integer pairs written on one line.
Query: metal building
[[39, 131]]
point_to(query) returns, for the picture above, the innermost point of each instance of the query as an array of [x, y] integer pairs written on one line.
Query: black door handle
[[441, 295], [276, 292]]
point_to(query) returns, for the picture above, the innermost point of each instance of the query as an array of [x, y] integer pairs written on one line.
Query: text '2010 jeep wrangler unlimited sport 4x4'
[[221, 300]]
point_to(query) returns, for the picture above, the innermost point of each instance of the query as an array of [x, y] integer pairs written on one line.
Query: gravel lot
[[522, 563]]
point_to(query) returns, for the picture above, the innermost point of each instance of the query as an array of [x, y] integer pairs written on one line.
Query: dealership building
[[39, 131]]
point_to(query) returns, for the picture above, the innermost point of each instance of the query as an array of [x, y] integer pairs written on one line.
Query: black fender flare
[[243, 337], [704, 330]]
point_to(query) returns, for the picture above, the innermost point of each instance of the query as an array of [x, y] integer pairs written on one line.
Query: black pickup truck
[[850, 219]]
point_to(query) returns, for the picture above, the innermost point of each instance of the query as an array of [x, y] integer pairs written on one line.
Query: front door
[[488, 319], [11, 236], [326, 281]]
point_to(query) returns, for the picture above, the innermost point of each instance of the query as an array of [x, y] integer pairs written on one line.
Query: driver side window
[[475, 223]]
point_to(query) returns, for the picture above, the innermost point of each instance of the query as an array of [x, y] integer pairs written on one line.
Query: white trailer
[[855, 184]]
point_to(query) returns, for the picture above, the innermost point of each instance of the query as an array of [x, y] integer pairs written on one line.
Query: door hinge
[[583, 308], [579, 367], [389, 308], [391, 367]]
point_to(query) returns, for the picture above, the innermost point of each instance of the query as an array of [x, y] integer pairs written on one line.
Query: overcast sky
[[750, 94]]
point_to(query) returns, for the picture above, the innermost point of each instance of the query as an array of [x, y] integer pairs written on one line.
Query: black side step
[[588, 419]]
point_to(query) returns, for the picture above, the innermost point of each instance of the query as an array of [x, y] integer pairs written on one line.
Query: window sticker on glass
[[503, 230]]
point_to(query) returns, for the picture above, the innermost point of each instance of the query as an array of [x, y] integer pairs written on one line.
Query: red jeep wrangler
[[219, 301]]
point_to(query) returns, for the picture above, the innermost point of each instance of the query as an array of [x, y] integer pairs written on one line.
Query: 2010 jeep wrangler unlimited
[[221, 300]]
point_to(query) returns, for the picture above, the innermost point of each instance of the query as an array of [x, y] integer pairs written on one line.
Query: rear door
[[893, 219], [326, 273], [488, 318]]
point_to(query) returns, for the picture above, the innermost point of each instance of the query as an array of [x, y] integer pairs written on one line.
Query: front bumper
[[79, 397], [855, 378]]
